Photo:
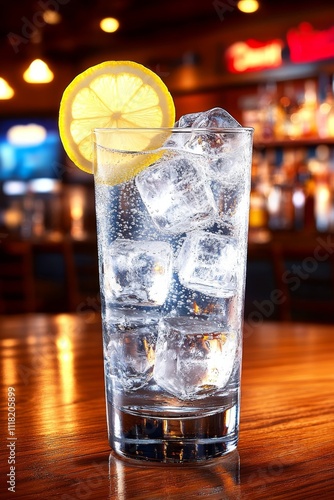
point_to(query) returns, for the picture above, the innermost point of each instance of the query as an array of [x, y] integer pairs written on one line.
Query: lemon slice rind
[[115, 94]]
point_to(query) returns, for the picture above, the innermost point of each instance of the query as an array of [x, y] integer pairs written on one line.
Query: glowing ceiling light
[[26, 135], [14, 188], [248, 6], [42, 185], [6, 91], [38, 72], [109, 24], [51, 16]]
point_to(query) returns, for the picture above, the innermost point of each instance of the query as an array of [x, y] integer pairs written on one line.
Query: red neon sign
[[308, 45], [253, 55]]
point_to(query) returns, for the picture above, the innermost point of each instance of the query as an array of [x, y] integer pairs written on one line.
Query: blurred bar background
[[272, 69]]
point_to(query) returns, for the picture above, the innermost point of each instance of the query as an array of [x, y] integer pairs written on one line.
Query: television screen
[[30, 148]]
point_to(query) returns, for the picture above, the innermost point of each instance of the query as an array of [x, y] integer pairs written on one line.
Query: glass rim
[[174, 129]]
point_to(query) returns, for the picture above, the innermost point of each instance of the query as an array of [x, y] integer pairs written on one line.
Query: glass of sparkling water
[[172, 243]]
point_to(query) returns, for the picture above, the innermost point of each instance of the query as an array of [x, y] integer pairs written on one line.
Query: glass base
[[173, 440]]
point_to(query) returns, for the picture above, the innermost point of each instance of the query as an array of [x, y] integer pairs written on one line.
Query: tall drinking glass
[[172, 226]]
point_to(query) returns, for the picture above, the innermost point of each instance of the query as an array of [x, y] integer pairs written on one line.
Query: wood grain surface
[[54, 363]]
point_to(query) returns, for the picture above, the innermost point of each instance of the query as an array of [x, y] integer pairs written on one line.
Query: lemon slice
[[115, 94]]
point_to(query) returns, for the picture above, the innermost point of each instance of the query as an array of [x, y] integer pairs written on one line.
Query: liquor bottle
[[290, 106], [272, 114], [307, 114], [330, 115], [325, 114]]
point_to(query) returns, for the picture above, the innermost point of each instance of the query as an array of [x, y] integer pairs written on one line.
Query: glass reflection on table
[[215, 480]]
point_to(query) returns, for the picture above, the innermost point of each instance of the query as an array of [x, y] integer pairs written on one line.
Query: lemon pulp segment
[[114, 94]]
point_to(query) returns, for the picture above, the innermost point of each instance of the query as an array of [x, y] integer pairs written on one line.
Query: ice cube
[[121, 319], [178, 138], [176, 193], [222, 148], [137, 272], [230, 200], [208, 263], [215, 118], [230, 160], [193, 358], [186, 121], [129, 357]]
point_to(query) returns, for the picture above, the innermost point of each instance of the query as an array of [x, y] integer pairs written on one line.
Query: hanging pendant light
[[6, 91], [109, 24], [38, 72], [248, 6]]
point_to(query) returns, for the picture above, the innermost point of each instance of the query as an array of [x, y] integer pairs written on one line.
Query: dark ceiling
[[141, 21], [79, 30]]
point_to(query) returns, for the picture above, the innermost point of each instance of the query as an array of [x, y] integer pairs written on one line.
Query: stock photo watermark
[[11, 439], [224, 7], [89, 309], [293, 278], [262, 477], [84, 489], [30, 27], [59, 169], [41, 358], [3, 236]]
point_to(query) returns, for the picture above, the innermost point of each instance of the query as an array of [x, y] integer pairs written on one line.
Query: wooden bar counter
[[57, 443]]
